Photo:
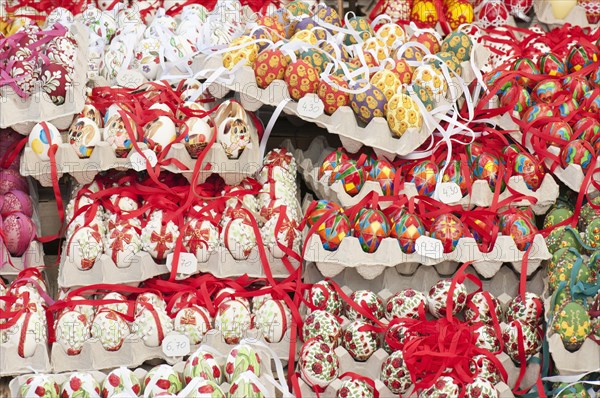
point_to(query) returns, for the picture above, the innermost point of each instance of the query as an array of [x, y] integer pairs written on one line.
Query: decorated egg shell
[[318, 363], [122, 244], [403, 115], [324, 296], [234, 129], [79, 384], [39, 385], [83, 136], [115, 133], [455, 173], [333, 229], [204, 365], [424, 176], [570, 390], [361, 31], [16, 201], [487, 167], [72, 331], [567, 107], [564, 272], [370, 228], [517, 95], [332, 160], [120, 307], [351, 176], [588, 213], [578, 58], [331, 92], [323, 325], [529, 337], [406, 228], [546, 90], [526, 66], [160, 380], [448, 59], [302, 78], [151, 326], [458, 43], [387, 81], [315, 57], [401, 69], [159, 239], [405, 304], [395, 337], [238, 236], [149, 300], [233, 320], [193, 321], [328, 15], [26, 334], [482, 307], [530, 169], [594, 78], [559, 130], [227, 294], [159, 133], [577, 86], [444, 386], [241, 358], [586, 128], [577, 152], [431, 78], [110, 320], [369, 103], [384, 173], [198, 132], [367, 300], [242, 49], [458, 13], [591, 102], [550, 64], [273, 318], [592, 233], [360, 342], [573, 324], [480, 388], [436, 298], [528, 311], [200, 387], [391, 34], [557, 215], [487, 338], [85, 247], [395, 374], [424, 14], [354, 389], [42, 138], [270, 65], [448, 229], [485, 369], [561, 237]]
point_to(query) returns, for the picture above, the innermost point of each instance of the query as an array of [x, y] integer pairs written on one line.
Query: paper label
[[449, 192], [188, 264], [429, 247], [130, 79], [310, 107], [138, 162], [176, 345]]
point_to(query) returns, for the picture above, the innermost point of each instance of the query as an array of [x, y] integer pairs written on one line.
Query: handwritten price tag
[[310, 107], [138, 162], [187, 263], [130, 79], [176, 345], [429, 247], [449, 192]]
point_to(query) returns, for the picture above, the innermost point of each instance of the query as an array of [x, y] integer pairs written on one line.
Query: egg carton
[[576, 17], [103, 158], [482, 195], [219, 263], [140, 373], [342, 122], [10, 266], [134, 352], [12, 364], [22, 114]]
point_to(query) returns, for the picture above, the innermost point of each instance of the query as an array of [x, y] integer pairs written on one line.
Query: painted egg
[[455, 173], [366, 300], [594, 78], [448, 229], [204, 365], [120, 307], [333, 229], [16, 201], [577, 152], [473, 150], [201, 238], [328, 15], [146, 57], [387, 81], [528, 311], [384, 173], [577, 86], [588, 213], [302, 78], [578, 58], [359, 341], [591, 102], [395, 337], [486, 167], [110, 320], [424, 14], [88, 311], [567, 107], [84, 134], [424, 176], [273, 318], [39, 386], [115, 133], [233, 320], [270, 65], [318, 363], [323, 325], [315, 57], [403, 115], [159, 133], [406, 228], [448, 59], [27, 333], [391, 34], [458, 13], [577, 390], [459, 44], [238, 236], [480, 388], [158, 239], [122, 245], [354, 389], [25, 74], [79, 384], [521, 230], [85, 247], [550, 64], [592, 233], [350, 175], [72, 331], [432, 79], [559, 130], [198, 132], [525, 66], [369, 103], [152, 325], [561, 237], [245, 386], [563, 272], [160, 380], [395, 374], [557, 215], [332, 160], [517, 95], [241, 358], [319, 209], [323, 295], [586, 128], [481, 307], [332, 94], [149, 300], [437, 295], [370, 228], [529, 169], [546, 90], [444, 386], [234, 128], [361, 31], [405, 304], [573, 324], [241, 50], [518, 332], [42, 138], [484, 368], [200, 387], [487, 339], [11, 179], [193, 322]]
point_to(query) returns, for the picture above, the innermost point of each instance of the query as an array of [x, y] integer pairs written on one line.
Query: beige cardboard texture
[[11, 363], [544, 13], [22, 114]]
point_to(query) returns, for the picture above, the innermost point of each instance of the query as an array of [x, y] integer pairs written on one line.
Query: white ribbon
[[270, 355], [152, 383], [270, 125], [572, 380], [192, 387]]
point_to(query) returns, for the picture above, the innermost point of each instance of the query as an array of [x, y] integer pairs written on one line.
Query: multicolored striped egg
[[550, 64], [559, 130], [350, 174], [530, 169], [546, 90], [321, 208], [332, 160], [525, 66], [578, 152]]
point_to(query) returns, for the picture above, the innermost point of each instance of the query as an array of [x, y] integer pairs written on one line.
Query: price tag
[[188, 263], [176, 345], [138, 162], [310, 107], [429, 247], [130, 79], [449, 192]]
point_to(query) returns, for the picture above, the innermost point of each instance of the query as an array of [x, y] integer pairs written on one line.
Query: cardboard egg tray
[[544, 13], [219, 263], [103, 158], [134, 352], [10, 266], [140, 373], [343, 122], [11, 363], [482, 195], [22, 114]]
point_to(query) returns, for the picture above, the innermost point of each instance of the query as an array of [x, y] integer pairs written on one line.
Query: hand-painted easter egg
[[528, 310], [448, 229], [529, 169], [302, 78], [16, 201], [519, 333], [384, 173], [332, 160], [273, 318], [158, 239], [84, 134], [557, 215], [437, 295], [318, 363], [487, 167], [241, 358], [121, 380], [432, 79], [559, 130], [333, 229], [332, 93], [444, 386], [322, 295], [395, 374], [525, 66], [546, 90], [577, 152], [402, 69], [456, 173], [459, 44], [484, 368], [424, 176], [561, 237], [243, 50], [424, 13], [321, 208], [360, 31], [79, 385], [355, 388], [323, 325], [483, 307], [403, 115], [39, 385], [233, 319], [161, 380], [151, 326], [193, 322], [406, 228], [487, 338], [350, 175], [202, 364], [405, 304], [387, 81], [44, 137], [359, 341], [110, 320], [480, 388], [392, 35], [458, 13], [115, 133], [577, 86], [586, 128], [551, 64], [368, 104], [72, 331], [370, 227], [367, 300]]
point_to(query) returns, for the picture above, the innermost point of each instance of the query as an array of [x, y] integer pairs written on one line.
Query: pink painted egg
[[19, 231], [11, 179], [16, 201]]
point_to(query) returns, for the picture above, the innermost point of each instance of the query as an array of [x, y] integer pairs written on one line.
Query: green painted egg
[[573, 324], [561, 258], [563, 273], [459, 44], [594, 266], [562, 237], [588, 213], [592, 234], [556, 215], [567, 390]]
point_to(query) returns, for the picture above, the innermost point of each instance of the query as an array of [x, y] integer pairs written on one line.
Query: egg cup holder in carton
[[103, 158], [10, 266], [219, 263], [22, 115], [481, 196], [545, 14], [11, 363]]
